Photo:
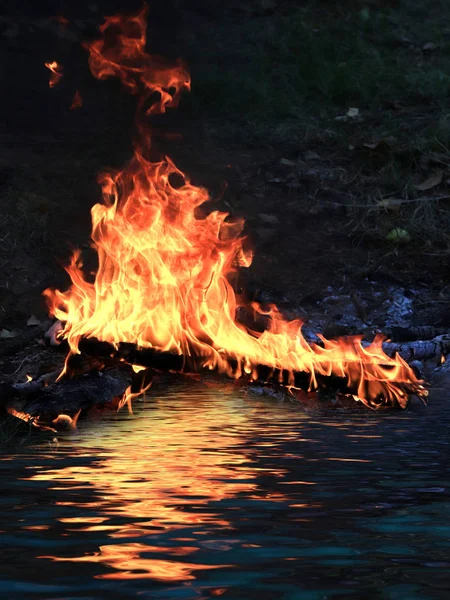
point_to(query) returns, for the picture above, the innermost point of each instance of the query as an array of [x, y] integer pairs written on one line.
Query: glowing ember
[[56, 73], [164, 267]]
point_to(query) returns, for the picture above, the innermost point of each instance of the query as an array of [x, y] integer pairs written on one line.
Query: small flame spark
[[56, 73]]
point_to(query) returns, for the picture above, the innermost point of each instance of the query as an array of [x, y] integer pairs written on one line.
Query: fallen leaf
[[310, 155], [6, 334], [431, 182], [287, 162], [399, 236], [380, 145], [392, 204], [371, 146], [353, 112], [33, 321]]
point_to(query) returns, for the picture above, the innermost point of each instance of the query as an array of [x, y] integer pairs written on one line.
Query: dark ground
[[320, 194]]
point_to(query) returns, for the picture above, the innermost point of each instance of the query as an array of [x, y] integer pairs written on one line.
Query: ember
[[164, 267]]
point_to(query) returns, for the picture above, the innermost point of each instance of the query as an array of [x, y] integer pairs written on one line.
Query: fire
[[129, 396], [56, 73], [77, 101], [29, 419], [164, 265]]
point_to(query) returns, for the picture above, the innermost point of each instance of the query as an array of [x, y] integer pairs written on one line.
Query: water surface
[[207, 492]]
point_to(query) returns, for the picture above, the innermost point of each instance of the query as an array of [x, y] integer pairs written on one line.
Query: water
[[206, 492]]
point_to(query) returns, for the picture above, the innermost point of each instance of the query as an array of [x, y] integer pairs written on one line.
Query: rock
[[52, 333], [33, 321], [269, 219], [441, 375], [430, 47]]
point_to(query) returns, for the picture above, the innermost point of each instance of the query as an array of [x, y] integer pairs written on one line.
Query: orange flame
[[56, 73], [77, 101], [129, 396], [120, 52], [164, 265], [29, 419], [61, 19]]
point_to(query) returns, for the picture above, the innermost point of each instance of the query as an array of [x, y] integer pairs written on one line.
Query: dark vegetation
[[325, 124]]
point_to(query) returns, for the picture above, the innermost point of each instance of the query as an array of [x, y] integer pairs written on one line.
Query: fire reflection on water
[[165, 475], [206, 492]]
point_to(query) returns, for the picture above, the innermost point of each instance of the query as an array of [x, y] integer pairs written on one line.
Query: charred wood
[[68, 396]]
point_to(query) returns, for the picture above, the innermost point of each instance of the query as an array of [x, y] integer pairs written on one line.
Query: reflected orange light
[[359, 460], [129, 563], [160, 479], [77, 101]]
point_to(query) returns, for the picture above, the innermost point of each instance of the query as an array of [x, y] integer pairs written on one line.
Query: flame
[[56, 73], [61, 19], [64, 421], [77, 101], [164, 265], [29, 419], [129, 396], [120, 52], [23, 416]]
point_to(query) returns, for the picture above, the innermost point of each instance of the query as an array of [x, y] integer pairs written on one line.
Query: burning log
[[154, 360]]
